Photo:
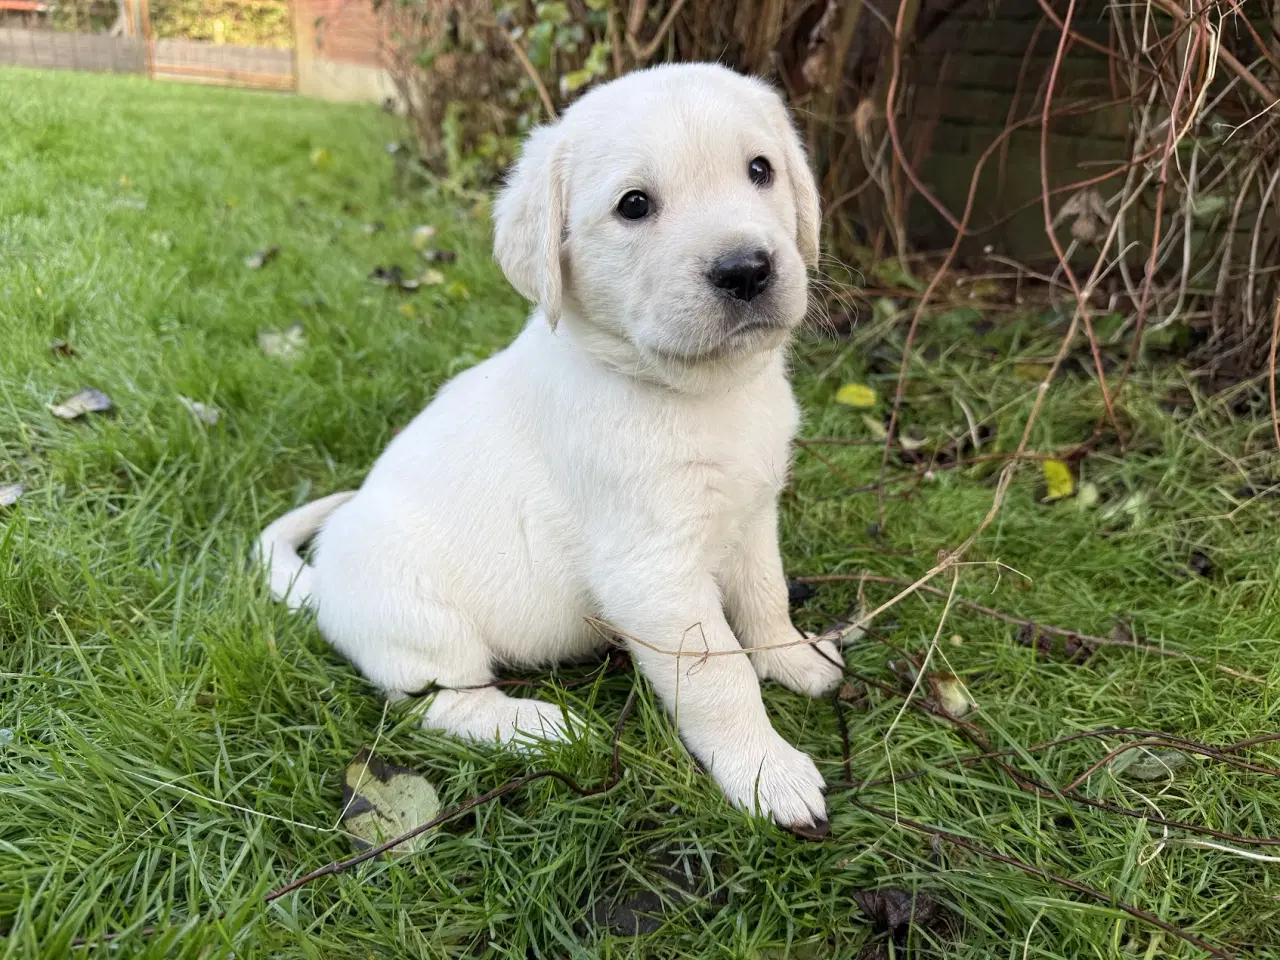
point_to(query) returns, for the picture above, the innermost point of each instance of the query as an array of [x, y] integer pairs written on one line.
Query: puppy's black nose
[[743, 274]]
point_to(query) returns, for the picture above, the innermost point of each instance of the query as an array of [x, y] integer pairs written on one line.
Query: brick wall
[[967, 78]]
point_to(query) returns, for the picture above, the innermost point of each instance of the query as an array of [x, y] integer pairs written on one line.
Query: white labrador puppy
[[622, 459]]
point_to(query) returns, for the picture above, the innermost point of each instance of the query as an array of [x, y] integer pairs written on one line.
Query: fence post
[[144, 17]]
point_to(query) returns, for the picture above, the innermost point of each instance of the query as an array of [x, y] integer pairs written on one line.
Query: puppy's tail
[[287, 574]]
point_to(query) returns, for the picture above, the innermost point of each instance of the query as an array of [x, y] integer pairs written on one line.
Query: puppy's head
[[672, 210]]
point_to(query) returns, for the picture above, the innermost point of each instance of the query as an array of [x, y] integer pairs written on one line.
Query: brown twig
[[1203, 750], [543, 94], [1046, 628], [1043, 874], [1082, 298]]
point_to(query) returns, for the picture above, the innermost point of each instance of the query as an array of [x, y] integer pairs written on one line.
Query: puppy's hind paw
[[490, 716]]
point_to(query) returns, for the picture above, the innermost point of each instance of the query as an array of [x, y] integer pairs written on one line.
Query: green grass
[[173, 743]]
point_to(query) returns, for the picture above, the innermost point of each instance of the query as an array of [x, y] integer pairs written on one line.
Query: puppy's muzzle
[[742, 274]]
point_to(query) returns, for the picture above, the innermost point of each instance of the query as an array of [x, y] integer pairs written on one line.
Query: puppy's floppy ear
[[529, 221], [805, 190]]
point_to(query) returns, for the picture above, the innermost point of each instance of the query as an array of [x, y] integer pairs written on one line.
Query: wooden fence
[[134, 49]]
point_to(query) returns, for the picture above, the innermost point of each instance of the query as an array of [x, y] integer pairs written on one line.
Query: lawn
[[172, 744]]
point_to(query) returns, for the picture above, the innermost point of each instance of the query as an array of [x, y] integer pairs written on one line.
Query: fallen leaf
[[1087, 498], [1072, 648], [376, 227], [877, 428], [1131, 508], [258, 260], [854, 693], [381, 801], [432, 278], [422, 235], [393, 276], [856, 395], [62, 348], [957, 640], [10, 493], [894, 911], [1058, 480], [1034, 372], [283, 344], [439, 256], [320, 159], [1147, 763], [88, 400], [204, 414], [457, 291], [407, 309], [951, 695]]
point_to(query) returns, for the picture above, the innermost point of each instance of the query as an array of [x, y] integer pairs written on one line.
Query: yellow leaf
[[1058, 479], [320, 158], [856, 395]]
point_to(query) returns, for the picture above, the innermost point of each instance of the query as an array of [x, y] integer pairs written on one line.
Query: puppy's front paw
[[802, 668], [774, 779]]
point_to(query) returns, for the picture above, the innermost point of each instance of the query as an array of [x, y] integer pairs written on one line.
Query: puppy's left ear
[[529, 221], [805, 190]]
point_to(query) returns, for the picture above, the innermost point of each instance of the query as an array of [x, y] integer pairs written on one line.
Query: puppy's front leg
[[755, 599], [714, 699]]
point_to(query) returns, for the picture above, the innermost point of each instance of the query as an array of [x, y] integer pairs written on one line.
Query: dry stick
[[532, 71], [1125, 747], [1022, 622], [1171, 145], [642, 54], [1044, 874], [1275, 335], [975, 735], [339, 866], [1225, 55], [961, 229], [1162, 739], [1082, 302]]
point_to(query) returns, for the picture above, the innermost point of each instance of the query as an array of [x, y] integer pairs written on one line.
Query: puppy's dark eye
[[634, 205], [760, 171]]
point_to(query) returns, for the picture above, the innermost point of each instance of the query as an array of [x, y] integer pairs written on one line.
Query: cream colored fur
[[622, 459]]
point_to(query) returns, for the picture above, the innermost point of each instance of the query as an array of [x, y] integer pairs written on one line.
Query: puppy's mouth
[[742, 332]]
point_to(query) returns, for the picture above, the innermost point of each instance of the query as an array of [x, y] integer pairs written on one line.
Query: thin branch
[[1046, 628], [338, 866], [1043, 874]]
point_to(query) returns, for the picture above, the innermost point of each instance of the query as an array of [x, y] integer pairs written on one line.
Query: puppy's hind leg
[[455, 664], [487, 715]]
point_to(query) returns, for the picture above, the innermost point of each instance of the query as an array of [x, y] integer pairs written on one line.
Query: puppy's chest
[[731, 476]]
